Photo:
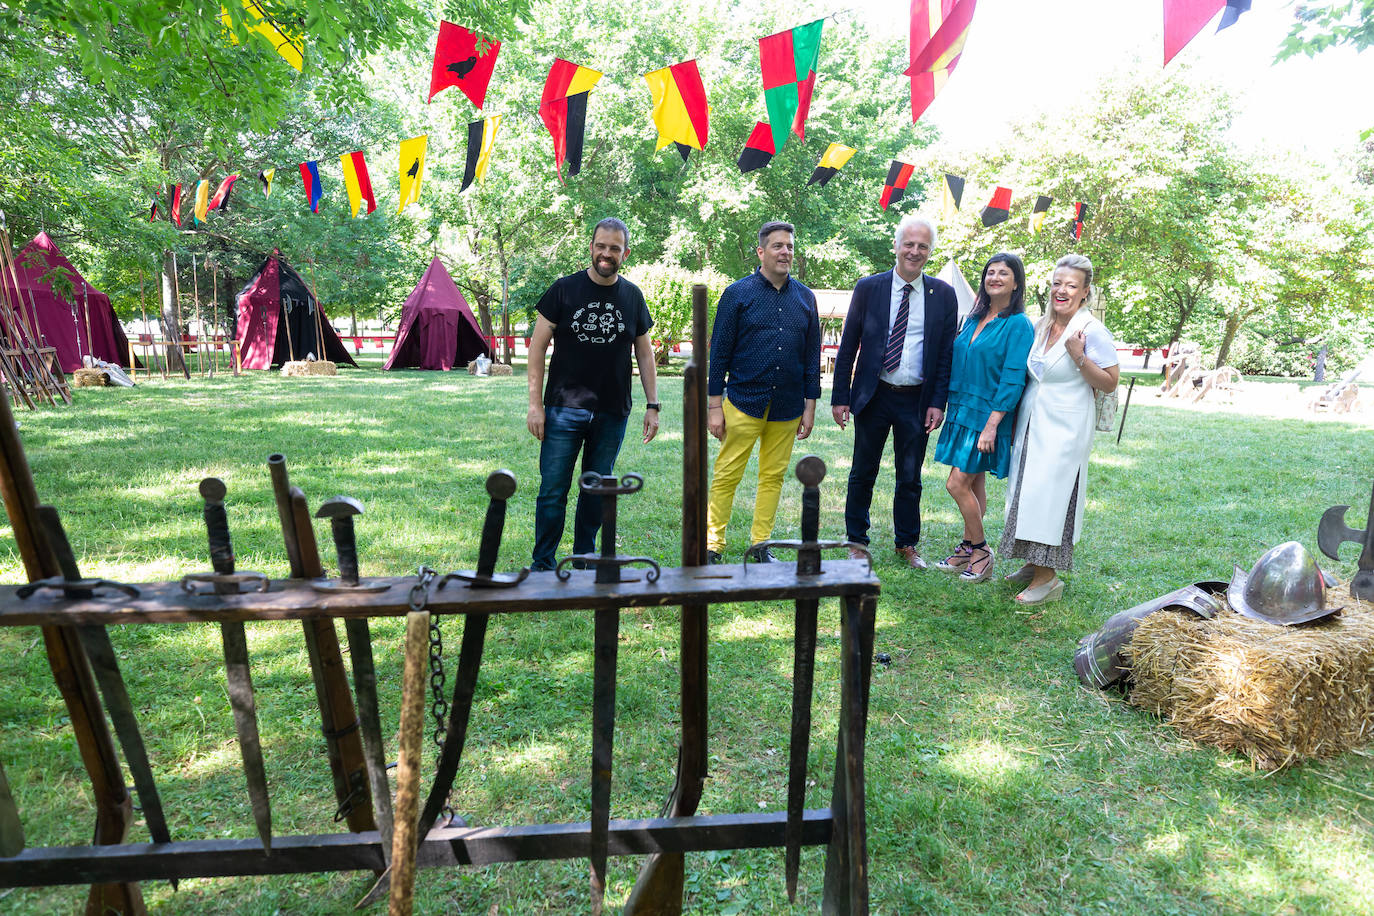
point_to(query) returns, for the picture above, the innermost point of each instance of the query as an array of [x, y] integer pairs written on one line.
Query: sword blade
[[240, 682], [803, 672], [370, 723], [605, 648]]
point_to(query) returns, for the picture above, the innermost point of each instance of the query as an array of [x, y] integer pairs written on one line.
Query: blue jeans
[[566, 430]]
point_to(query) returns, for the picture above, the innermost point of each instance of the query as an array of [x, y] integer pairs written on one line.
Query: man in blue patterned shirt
[[764, 380]]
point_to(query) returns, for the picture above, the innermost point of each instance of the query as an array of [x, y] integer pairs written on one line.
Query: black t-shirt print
[[593, 341]]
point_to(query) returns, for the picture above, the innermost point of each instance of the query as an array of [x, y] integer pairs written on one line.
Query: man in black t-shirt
[[595, 318]]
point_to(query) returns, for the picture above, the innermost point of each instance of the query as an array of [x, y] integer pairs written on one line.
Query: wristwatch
[[653, 405]]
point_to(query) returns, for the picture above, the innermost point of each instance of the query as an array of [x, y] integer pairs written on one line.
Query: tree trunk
[[1232, 326], [353, 320], [171, 313], [484, 313], [505, 296]]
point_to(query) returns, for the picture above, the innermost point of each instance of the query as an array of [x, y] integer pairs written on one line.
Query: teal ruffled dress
[[987, 374]]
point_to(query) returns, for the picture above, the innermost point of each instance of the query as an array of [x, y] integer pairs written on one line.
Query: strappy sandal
[[971, 572], [956, 561]]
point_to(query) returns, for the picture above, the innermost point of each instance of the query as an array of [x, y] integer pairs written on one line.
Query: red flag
[[221, 199], [1183, 19], [894, 188], [998, 209], [939, 29], [463, 59], [176, 205]]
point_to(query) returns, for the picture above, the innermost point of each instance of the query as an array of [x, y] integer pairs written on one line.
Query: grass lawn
[[996, 783]]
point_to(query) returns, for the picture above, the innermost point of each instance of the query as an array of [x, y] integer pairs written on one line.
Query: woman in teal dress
[[985, 385]]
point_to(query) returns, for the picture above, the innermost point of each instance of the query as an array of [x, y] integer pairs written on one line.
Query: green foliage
[[1319, 26], [668, 291]]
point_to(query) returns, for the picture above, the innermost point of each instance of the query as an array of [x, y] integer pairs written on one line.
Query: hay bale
[[89, 378], [492, 370], [1278, 695], [309, 367]]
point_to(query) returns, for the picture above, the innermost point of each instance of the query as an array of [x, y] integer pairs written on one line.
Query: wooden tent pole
[[214, 319], [319, 320], [29, 361], [195, 294]]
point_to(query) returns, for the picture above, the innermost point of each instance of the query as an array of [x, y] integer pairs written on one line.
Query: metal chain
[[438, 707]]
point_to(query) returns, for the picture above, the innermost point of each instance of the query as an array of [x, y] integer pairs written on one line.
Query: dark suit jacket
[[865, 338]]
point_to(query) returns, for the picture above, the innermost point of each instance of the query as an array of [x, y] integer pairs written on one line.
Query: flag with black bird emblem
[[834, 159], [412, 169], [464, 59], [894, 187], [758, 150], [998, 209], [1042, 207]]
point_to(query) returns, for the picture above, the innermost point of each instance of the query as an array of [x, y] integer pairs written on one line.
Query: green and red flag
[[788, 60], [998, 209], [464, 59], [1038, 212], [357, 182], [563, 108], [1183, 19], [835, 157], [221, 199], [894, 188], [176, 205], [680, 110], [939, 29], [758, 149]]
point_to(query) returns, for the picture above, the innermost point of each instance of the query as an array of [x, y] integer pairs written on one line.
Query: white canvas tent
[[962, 291]]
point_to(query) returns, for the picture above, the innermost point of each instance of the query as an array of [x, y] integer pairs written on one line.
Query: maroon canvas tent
[[63, 323], [265, 339], [438, 330]]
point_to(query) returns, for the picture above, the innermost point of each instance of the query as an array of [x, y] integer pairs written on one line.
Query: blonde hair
[[1073, 261]]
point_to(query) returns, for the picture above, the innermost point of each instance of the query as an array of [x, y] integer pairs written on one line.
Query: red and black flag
[[1080, 216], [176, 205], [481, 137], [788, 60], [221, 199], [563, 107], [998, 209], [759, 150], [894, 188], [1183, 19], [1042, 207], [463, 59], [836, 155], [152, 214], [939, 29]]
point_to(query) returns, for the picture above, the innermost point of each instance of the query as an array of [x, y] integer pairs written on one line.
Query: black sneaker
[[760, 554], [712, 558]]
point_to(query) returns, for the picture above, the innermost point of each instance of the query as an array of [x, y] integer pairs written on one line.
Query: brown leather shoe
[[858, 553], [911, 557]]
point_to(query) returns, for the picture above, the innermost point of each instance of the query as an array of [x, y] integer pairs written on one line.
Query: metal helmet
[[1285, 587], [1098, 660]]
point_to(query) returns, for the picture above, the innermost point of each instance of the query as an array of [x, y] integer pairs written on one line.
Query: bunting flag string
[[265, 178], [788, 61], [481, 137], [939, 29], [221, 199], [310, 177], [894, 188], [357, 182], [951, 196], [758, 149], [463, 59], [563, 108], [680, 113], [998, 209], [835, 157], [1038, 212], [412, 165]]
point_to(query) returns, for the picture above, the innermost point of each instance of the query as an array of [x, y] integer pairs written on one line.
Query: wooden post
[[401, 901]]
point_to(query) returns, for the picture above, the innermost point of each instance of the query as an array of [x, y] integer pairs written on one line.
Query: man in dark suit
[[892, 375]]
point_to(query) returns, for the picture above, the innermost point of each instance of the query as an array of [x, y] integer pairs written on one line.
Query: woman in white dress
[[1073, 355]]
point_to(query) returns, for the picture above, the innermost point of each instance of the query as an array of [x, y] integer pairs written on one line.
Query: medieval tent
[[438, 330], [277, 291], [73, 316]]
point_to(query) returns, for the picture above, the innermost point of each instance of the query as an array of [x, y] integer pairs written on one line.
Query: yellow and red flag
[[681, 113], [412, 169], [939, 29], [481, 138], [834, 159], [464, 59], [357, 182], [563, 107], [789, 60]]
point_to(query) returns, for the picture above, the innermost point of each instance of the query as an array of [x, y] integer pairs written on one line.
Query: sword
[[237, 674], [11, 828], [1124, 409], [1332, 532]]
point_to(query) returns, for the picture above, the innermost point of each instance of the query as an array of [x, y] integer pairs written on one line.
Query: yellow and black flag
[[836, 155], [1042, 207], [952, 197], [265, 179], [481, 136], [412, 165]]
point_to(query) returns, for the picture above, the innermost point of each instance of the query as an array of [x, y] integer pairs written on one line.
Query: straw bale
[[89, 378], [494, 369], [1278, 695], [309, 367]]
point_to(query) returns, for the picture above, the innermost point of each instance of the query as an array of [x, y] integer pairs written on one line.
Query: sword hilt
[[212, 490], [500, 487], [340, 511], [810, 471]]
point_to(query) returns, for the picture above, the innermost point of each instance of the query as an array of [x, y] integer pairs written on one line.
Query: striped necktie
[[896, 341]]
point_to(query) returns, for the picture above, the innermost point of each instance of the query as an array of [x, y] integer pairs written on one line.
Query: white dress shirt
[[910, 370]]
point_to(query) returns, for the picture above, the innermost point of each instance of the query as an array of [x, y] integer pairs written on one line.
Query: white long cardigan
[[1054, 428]]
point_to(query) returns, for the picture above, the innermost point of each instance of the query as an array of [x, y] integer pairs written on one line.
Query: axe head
[[1332, 532]]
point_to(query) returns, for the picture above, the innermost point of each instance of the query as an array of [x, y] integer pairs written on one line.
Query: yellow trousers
[[775, 440]]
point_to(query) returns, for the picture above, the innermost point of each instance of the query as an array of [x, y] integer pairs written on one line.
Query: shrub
[[668, 291]]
